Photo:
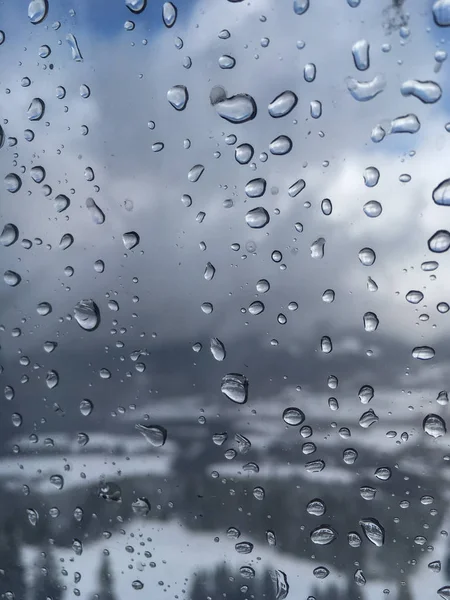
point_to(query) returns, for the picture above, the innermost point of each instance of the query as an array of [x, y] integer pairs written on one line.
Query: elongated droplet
[[439, 241], [97, 214], [315, 109], [326, 206], [154, 434], [371, 321], [136, 6], [9, 235], [130, 240], [368, 418], [236, 109], [278, 577], [61, 203], [283, 104], [66, 241], [210, 271], [423, 352], [244, 154], [195, 173], [280, 145], [373, 531], [296, 188], [326, 345], [87, 314], [169, 14], [256, 308], [12, 278], [300, 7], [318, 248], [323, 535], [37, 174], [52, 379], [309, 72], [217, 349], [141, 507], [257, 218], [36, 109], [441, 193], [427, 92], [366, 394], [405, 124], [235, 387], [360, 51], [37, 11], [364, 91], [255, 188], [73, 44], [178, 97], [434, 425]]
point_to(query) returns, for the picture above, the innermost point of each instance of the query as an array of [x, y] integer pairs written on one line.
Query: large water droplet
[[52, 379], [444, 592], [57, 481], [73, 45], [169, 14], [405, 124], [98, 216], [283, 104], [110, 492], [414, 296], [371, 176], [61, 203], [13, 183], [373, 531], [37, 11], [256, 308], [293, 416], [326, 345], [33, 516], [434, 425], [316, 507], [141, 507], [178, 97], [372, 209], [366, 90], [255, 188], [349, 456], [11, 278], [323, 535], [37, 174], [371, 321], [243, 547], [441, 14], [278, 577], [439, 241], [423, 352], [360, 51], [36, 109], [367, 256], [235, 387], [257, 218], [366, 394], [87, 314], [86, 407], [280, 145], [136, 6], [226, 61], [244, 154], [296, 188], [209, 272], [154, 434], [300, 6], [195, 173], [236, 109], [441, 193], [318, 248], [368, 418], [130, 240], [428, 92], [9, 235]]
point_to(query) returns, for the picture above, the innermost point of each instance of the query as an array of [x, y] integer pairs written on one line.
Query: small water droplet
[[9, 235], [57, 481], [256, 308], [37, 174], [278, 577], [321, 572], [354, 539], [43, 309], [210, 271], [359, 577], [368, 418], [296, 188], [349, 456], [372, 209], [243, 547], [255, 188], [33, 516], [371, 176], [316, 507], [52, 379], [318, 248], [136, 6], [86, 407], [367, 256], [405, 124], [371, 321]]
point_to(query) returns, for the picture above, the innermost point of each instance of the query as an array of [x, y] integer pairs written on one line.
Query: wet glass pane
[[225, 302]]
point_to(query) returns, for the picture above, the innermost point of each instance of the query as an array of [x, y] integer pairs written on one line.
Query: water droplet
[[354, 539], [257, 218], [309, 72], [57, 481], [52, 379], [367, 492], [233, 533], [325, 345], [442, 398], [262, 286], [9, 235], [33, 516], [349, 456], [244, 154], [368, 418], [428, 92], [439, 241], [37, 11], [87, 314], [36, 109], [136, 6], [195, 173], [283, 104], [328, 296], [247, 572], [210, 271], [405, 124], [366, 394], [236, 109], [326, 206], [371, 176], [43, 309], [130, 240], [315, 109], [13, 183], [217, 349], [441, 14], [157, 147], [37, 174], [423, 352], [383, 473], [441, 194], [141, 507], [110, 492], [226, 61], [255, 188], [373, 531], [280, 145], [372, 209], [315, 466], [321, 572], [96, 213], [359, 577], [178, 97], [12, 278], [318, 248], [296, 188], [243, 547], [360, 51], [414, 296], [279, 578], [235, 387], [367, 256], [86, 407], [366, 90], [444, 592], [323, 535], [434, 425], [371, 321], [435, 566], [293, 416], [154, 434], [66, 241], [169, 14], [73, 45], [316, 507], [300, 6], [256, 308], [61, 203]]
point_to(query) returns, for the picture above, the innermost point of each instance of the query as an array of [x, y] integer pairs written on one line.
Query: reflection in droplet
[[235, 387], [349, 456], [360, 51], [178, 97], [236, 109], [169, 14], [439, 241], [244, 154], [87, 314], [283, 104], [280, 145], [86, 407], [316, 507], [423, 352], [37, 11], [257, 218], [130, 240], [434, 425], [373, 531], [321, 572]]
